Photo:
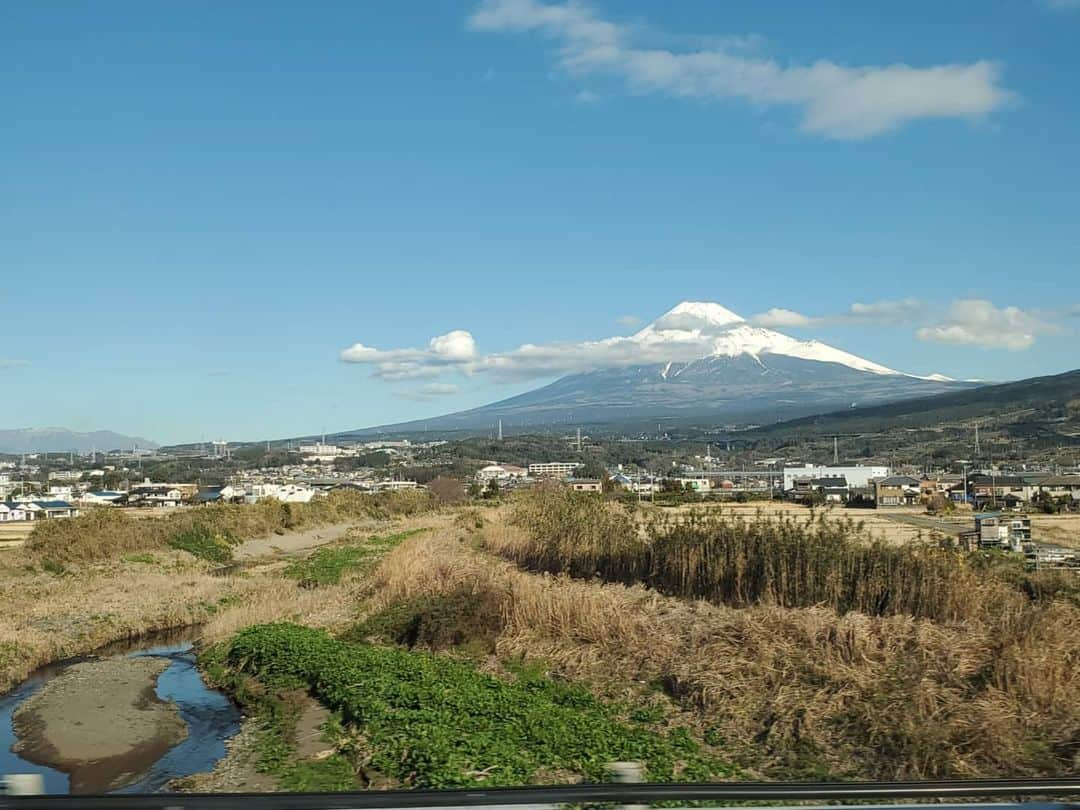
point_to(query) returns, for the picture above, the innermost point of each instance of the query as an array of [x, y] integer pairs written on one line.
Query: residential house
[[158, 495], [897, 490], [834, 488], [36, 510], [1001, 490], [102, 497], [586, 484], [1059, 486], [997, 530], [931, 485], [12, 512], [56, 509]]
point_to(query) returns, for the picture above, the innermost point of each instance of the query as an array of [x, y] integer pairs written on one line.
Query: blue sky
[[203, 204]]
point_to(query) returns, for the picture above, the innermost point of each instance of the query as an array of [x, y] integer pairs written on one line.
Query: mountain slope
[[1053, 399], [698, 362], [62, 440]]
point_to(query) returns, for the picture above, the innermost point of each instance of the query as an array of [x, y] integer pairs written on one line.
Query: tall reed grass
[[780, 561]]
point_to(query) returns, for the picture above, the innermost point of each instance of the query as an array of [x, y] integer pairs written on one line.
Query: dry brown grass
[[739, 561], [792, 692], [45, 617], [52, 614], [106, 533]]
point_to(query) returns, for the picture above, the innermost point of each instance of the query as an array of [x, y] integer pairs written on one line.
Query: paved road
[[928, 522]]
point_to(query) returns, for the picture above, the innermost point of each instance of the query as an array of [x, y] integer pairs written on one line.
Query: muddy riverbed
[[128, 720]]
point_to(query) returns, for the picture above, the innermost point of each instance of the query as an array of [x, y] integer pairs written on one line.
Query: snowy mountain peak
[[719, 332], [695, 316], [705, 312]]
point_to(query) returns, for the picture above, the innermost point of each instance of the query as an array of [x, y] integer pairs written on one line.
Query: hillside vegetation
[[1029, 420]]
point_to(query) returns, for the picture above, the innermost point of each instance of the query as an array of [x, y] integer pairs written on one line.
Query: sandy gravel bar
[[100, 722]]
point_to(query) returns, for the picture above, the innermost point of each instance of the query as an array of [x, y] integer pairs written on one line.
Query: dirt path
[[100, 722], [295, 542]]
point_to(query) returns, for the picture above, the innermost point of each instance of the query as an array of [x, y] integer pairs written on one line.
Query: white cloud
[[456, 346], [977, 322], [439, 389], [429, 392], [586, 97], [780, 318], [452, 349], [904, 310], [835, 101], [530, 361], [7, 363], [628, 320], [1062, 5]]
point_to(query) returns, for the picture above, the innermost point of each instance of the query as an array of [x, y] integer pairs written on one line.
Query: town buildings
[[553, 469]]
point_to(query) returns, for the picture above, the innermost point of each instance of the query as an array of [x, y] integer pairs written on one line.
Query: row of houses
[[981, 490], [34, 509]]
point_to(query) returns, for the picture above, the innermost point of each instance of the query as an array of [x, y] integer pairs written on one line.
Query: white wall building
[[857, 476], [381, 486], [553, 469], [287, 493], [500, 472], [65, 475]]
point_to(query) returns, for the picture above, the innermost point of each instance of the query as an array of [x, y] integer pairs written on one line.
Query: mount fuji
[[698, 363]]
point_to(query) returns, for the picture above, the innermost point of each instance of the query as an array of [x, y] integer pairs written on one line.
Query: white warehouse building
[[857, 476]]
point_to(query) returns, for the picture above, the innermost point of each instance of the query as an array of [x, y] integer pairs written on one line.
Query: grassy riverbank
[[431, 721], [53, 611], [206, 532], [793, 692], [762, 648]]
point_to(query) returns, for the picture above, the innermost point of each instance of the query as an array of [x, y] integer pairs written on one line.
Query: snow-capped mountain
[[729, 335], [703, 363]]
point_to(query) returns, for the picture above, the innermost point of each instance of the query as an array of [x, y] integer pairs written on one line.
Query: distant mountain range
[[736, 373], [62, 440]]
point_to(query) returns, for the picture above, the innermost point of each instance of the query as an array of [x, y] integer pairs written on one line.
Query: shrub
[[201, 542]]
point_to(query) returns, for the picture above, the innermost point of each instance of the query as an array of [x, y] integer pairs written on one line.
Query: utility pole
[[500, 430], [835, 450]]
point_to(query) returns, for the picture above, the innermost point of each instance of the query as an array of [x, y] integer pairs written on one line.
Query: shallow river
[[210, 716]]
